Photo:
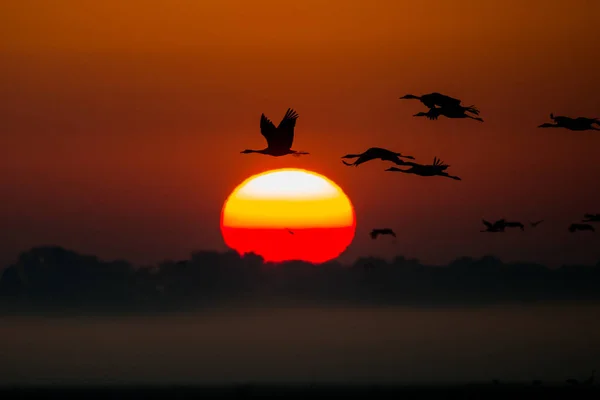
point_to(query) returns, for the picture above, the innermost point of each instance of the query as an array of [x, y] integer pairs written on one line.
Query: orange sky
[[122, 122]]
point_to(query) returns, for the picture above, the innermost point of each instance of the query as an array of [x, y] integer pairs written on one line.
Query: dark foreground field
[[474, 391]]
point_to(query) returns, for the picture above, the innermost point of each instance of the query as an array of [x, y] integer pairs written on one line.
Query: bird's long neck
[[248, 151]]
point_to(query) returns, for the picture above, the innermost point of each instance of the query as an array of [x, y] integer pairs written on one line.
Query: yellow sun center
[[285, 198]]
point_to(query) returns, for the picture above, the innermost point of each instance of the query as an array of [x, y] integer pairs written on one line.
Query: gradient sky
[[122, 122]]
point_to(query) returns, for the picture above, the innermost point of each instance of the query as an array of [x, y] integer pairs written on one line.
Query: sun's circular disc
[[288, 214]]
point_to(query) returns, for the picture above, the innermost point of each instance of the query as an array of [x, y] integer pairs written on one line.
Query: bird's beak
[[409, 157]]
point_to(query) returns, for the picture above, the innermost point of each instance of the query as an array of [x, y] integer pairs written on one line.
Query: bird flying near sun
[[374, 153], [431, 100], [573, 124], [280, 138], [438, 168], [259, 215]]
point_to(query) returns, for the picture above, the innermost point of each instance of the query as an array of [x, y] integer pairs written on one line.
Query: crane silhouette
[[376, 153], [573, 124], [385, 231], [436, 169], [581, 227], [431, 100], [591, 218], [280, 138], [450, 112], [536, 223], [497, 226]]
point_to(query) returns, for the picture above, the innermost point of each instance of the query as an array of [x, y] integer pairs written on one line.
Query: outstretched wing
[[439, 164], [445, 101], [268, 130], [286, 128]]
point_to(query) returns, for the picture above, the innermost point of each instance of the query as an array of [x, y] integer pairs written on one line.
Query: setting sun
[[288, 214]]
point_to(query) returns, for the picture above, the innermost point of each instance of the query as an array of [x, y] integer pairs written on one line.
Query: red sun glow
[[288, 214]]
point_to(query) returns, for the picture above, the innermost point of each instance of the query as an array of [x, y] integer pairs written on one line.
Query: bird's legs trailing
[[456, 178], [475, 118]]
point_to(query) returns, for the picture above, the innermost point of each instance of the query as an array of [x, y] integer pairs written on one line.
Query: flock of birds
[[280, 140]]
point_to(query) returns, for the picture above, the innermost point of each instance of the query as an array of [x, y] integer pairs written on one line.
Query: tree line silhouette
[[54, 279]]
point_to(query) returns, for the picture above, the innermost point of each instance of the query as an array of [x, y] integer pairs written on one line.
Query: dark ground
[[474, 391]]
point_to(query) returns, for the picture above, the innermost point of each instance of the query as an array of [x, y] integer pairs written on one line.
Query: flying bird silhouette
[[376, 153], [385, 231], [497, 226], [450, 112], [436, 169], [536, 223], [573, 124], [280, 138], [431, 100], [591, 218], [581, 227]]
